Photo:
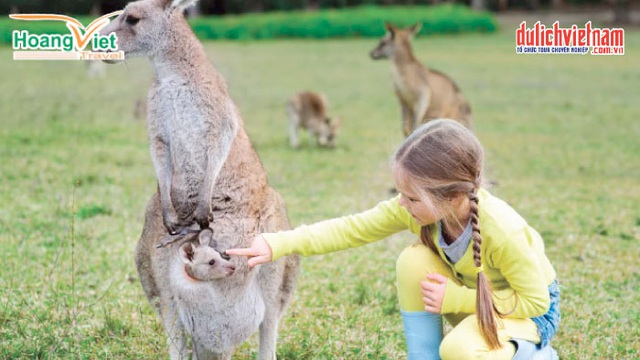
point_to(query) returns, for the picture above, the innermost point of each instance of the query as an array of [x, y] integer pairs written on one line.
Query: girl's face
[[423, 210]]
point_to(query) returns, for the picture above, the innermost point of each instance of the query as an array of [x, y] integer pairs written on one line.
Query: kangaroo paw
[[170, 239]]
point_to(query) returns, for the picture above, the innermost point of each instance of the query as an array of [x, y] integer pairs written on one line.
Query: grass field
[[562, 141]]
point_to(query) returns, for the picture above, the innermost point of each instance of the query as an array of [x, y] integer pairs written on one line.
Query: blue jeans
[[549, 322]]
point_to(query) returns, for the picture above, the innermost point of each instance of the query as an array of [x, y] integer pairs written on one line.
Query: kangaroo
[[308, 110], [424, 94], [207, 170], [192, 122]]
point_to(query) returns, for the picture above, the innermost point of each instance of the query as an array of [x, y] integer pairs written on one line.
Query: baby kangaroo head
[[394, 39], [202, 261], [144, 26], [330, 131]]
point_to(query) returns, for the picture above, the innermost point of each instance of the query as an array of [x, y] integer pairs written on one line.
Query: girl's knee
[[455, 351], [465, 341]]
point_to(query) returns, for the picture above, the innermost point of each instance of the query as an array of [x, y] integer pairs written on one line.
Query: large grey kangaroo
[[424, 94], [209, 176]]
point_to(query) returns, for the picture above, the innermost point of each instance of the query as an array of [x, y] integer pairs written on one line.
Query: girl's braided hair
[[441, 160]]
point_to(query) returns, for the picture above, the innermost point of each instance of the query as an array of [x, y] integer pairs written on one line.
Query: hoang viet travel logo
[[574, 40], [28, 46]]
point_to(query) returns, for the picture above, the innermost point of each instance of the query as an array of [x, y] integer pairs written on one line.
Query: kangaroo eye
[[131, 20], [212, 262]]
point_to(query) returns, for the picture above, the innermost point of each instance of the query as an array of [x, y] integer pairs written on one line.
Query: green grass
[[561, 135]]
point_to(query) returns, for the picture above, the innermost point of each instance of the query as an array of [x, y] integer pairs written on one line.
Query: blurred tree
[[621, 12], [479, 5], [107, 6], [558, 4], [23, 6], [216, 7]]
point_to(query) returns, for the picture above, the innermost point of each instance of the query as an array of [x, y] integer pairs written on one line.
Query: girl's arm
[[385, 219]]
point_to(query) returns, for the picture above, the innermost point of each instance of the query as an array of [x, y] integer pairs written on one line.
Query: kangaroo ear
[[182, 4], [415, 29], [204, 237], [187, 250], [390, 28]]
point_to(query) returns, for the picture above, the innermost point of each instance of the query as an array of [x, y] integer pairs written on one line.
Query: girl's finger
[[427, 286], [438, 278], [431, 309], [242, 252], [258, 260]]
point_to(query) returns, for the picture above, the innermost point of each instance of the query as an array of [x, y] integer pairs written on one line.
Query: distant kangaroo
[[424, 94], [209, 172], [308, 110]]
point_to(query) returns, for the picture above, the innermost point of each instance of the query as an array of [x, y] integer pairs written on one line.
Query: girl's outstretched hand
[[259, 252], [433, 292]]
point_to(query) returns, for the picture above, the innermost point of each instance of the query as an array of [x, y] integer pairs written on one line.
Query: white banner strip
[[45, 55]]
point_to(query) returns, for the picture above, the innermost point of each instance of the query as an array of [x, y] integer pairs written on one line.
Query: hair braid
[[475, 227], [485, 311]]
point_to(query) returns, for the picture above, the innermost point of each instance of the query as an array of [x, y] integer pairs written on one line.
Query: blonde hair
[[441, 160]]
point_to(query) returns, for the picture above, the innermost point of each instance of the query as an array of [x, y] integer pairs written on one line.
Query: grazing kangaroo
[[207, 170], [308, 110], [424, 94]]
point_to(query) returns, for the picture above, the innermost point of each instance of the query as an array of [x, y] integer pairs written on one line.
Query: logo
[[574, 40], [28, 46]]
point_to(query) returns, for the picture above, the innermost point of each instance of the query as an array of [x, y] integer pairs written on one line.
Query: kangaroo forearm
[[216, 157], [162, 164]]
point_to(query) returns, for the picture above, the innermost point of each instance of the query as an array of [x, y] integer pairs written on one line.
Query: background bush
[[359, 21], [365, 21]]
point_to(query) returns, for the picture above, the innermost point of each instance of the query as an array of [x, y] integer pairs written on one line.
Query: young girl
[[496, 287]]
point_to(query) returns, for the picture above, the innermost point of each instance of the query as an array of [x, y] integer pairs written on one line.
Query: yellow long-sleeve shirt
[[512, 252]]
